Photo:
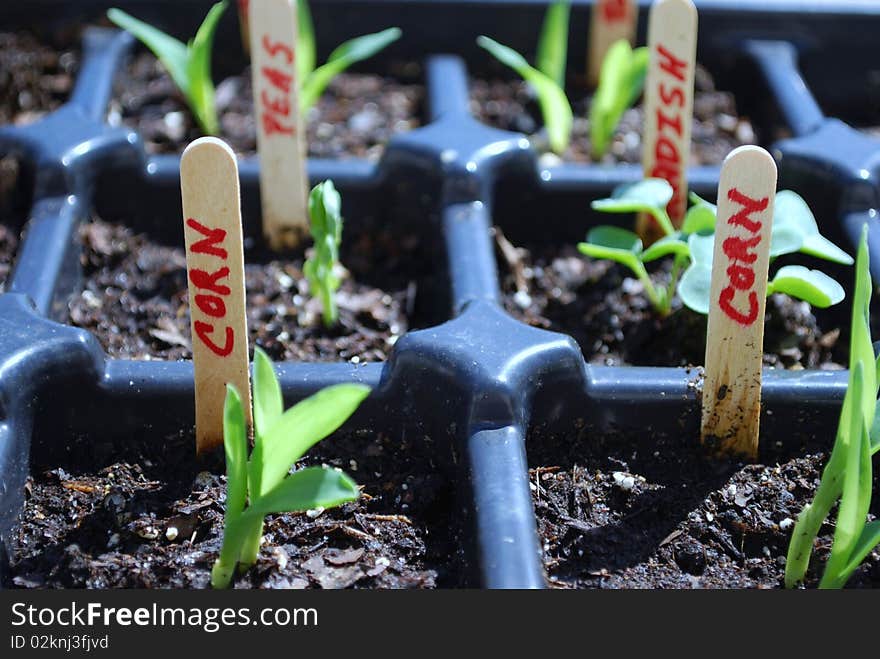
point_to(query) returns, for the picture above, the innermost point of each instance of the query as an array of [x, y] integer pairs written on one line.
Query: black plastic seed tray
[[482, 378]]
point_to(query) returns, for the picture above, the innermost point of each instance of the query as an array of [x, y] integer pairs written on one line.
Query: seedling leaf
[[790, 210], [553, 43], [346, 55], [306, 489], [268, 403], [621, 81], [300, 428], [235, 445], [555, 107], [614, 244], [305, 51], [325, 215], [813, 286], [666, 246], [695, 287], [699, 218]]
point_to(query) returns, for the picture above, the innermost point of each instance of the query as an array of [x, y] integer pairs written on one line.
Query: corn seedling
[[547, 78], [325, 214], [794, 230], [847, 475], [189, 65], [262, 485]]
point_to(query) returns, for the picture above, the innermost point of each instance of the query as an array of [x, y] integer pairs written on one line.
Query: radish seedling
[[325, 215], [847, 475], [794, 230], [262, 485]]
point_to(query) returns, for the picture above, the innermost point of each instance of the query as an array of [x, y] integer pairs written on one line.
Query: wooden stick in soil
[[610, 21], [735, 335], [215, 272], [669, 105], [244, 24], [280, 137]]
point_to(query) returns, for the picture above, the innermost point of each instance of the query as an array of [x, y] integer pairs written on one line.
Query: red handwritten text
[[740, 272], [615, 10], [275, 110], [668, 162], [210, 298]]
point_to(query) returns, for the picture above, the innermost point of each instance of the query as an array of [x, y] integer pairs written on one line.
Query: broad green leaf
[[651, 195], [614, 244], [812, 286], [697, 200], [201, 90], [785, 239], [702, 248], [555, 107], [695, 286], [268, 403], [553, 43], [699, 218], [171, 52], [674, 244], [307, 489], [343, 57], [305, 48], [300, 428], [235, 445], [791, 210]]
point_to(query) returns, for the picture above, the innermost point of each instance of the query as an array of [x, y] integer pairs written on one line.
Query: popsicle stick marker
[[215, 275], [244, 24], [610, 21], [735, 335], [669, 105], [281, 141]]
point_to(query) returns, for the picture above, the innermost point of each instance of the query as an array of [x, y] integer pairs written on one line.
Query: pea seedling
[[189, 65], [325, 215], [261, 486], [548, 77], [794, 230], [315, 80], [847, 475]]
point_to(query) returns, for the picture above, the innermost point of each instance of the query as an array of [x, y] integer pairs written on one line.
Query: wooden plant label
[[611, 21], [669, 103], [280, 136], [215, 272], [244, 24], [735, 335]]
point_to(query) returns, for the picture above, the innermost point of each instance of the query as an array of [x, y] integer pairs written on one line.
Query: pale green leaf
[[695, 286], [614, 244], [812, 286], [869, 538], [791, 210], [702, 248], [343, 57], [201, 89], [667, 245], [699, 218], [235, 445], [300, 428], [553, 43], [555, 107], [307, 489], [305, 47], [268, 402], [171, 52]]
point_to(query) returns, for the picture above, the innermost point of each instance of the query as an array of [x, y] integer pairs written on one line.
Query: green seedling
[[794, 230], [548, 77], [189, 65], [847, 475], [621, 81], [262, 485], [325, 215], [315, 80]]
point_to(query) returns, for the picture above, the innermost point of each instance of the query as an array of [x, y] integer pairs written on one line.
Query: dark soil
[[134, 299], [653, 513], [717, 128], [8, 246], [355, 117], [149, 518], [35, 78], [606, 311]]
